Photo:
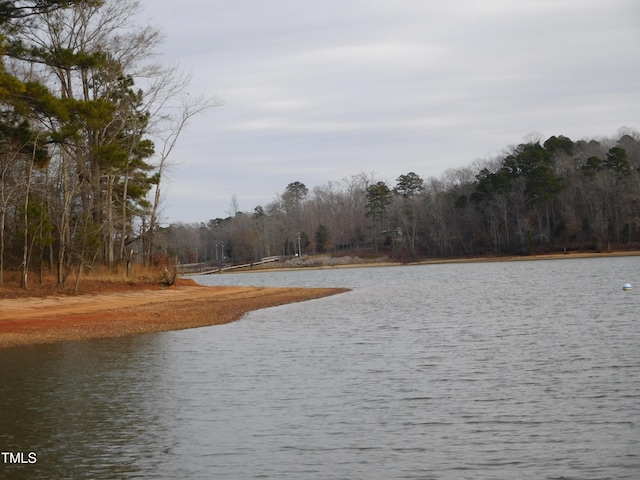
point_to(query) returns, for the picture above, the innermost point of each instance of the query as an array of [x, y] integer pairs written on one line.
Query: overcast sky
[[316, 91]]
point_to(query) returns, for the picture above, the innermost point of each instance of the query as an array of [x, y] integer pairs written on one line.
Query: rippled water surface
[[527, 370]]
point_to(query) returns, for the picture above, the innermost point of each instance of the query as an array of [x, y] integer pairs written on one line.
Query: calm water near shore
[[527, 370]]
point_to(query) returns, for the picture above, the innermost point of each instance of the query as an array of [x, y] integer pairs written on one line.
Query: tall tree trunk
[[25, 249], [64, 227], [124, 224], [108, 235], [3, 219]]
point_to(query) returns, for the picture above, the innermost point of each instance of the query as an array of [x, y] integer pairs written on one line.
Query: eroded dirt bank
[[34, 320]]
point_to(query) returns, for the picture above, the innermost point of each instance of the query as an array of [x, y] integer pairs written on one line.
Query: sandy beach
[[36, 320]]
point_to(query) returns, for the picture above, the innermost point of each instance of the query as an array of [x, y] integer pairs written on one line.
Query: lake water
[[514, 370]]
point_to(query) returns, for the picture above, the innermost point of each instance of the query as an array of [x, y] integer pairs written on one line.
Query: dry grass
[[97, 279]]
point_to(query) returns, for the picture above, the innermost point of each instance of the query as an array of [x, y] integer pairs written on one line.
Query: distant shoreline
[[434, 261]]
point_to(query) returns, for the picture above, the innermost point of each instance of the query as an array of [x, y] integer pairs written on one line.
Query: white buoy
[[626, 286]]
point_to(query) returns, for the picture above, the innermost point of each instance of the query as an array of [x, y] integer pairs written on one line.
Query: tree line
[[87, 125], [538, 196], [88, 122]]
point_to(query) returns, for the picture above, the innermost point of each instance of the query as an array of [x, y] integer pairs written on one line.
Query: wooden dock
[[221, 269]]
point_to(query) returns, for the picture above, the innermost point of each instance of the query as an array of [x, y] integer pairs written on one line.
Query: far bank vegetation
[[541, 196]]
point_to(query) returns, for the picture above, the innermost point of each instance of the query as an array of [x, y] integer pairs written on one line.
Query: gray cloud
[[318, 91]]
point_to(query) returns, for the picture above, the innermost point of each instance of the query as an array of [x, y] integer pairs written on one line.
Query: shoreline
[[434, 261], [41, 320], [32, 320]]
